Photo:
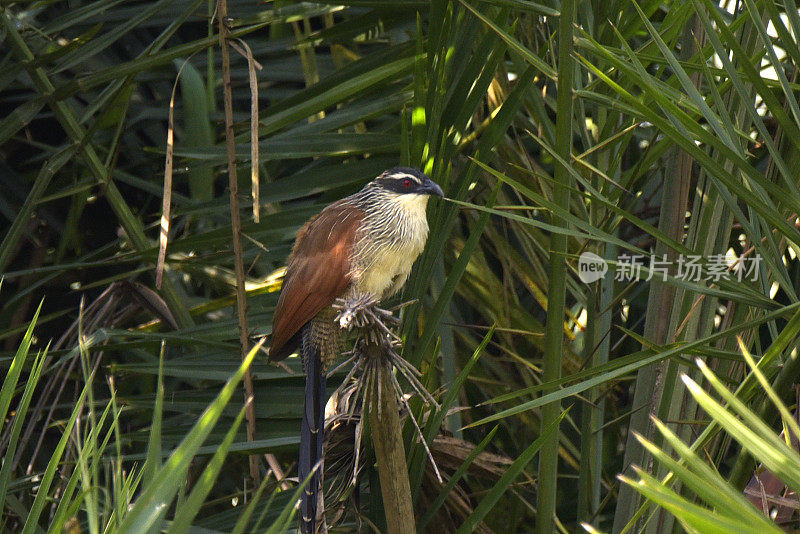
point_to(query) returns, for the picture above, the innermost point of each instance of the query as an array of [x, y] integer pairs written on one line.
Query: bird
[[363, 245]]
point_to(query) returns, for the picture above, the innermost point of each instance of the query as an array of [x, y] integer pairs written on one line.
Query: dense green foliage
[[657, 128]]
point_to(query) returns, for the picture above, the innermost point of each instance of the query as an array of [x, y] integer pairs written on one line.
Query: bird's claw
[[345, 319]]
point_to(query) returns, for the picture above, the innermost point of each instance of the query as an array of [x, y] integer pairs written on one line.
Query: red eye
[[406, 183]]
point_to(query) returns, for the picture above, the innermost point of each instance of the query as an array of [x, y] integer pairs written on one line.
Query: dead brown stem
[[387, 439], [236, 223]]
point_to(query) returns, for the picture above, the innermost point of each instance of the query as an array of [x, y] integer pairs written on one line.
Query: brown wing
[[318, 273]]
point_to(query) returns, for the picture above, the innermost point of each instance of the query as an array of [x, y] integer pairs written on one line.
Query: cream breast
[[386, 268]]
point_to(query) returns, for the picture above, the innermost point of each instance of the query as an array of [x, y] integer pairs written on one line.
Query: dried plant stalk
[[236, 223], [387, 438], [376, 357]]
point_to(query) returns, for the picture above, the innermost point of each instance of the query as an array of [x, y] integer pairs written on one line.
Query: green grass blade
[[286, 516], [704, 481], [32, 521], [14, 371], [149, 508], [416, 456], [188, 510], [514, 44], [454, 479], [751, 432], [197, 129], [247, 513], [691, 515], [152, 463], [19, 420], [511, 474]]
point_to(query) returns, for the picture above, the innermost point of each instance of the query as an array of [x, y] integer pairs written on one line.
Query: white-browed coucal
[[362, 245]]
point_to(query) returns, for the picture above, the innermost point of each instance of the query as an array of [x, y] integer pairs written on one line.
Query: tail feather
[[312, 435]]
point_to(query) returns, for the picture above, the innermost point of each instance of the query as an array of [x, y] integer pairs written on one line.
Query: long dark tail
[[312, 434]]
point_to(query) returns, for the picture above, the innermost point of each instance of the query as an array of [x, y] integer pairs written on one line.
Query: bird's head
[[407, 181]]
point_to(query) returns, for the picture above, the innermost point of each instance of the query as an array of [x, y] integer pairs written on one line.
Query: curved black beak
[[429, 187]]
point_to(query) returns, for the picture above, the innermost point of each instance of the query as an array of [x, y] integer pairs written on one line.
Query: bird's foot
[[363, 313], [354, 311]]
